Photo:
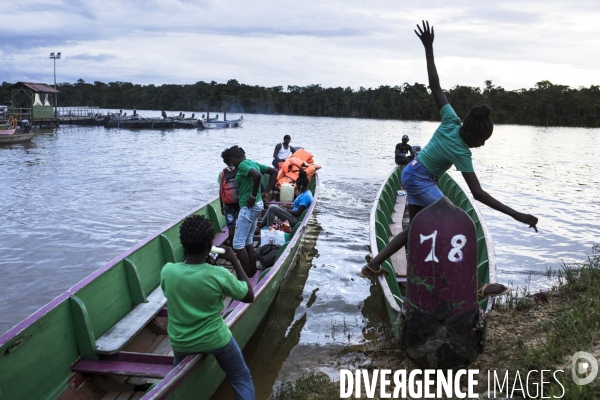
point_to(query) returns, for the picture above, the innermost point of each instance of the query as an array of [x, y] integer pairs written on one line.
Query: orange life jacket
[[290, 170]]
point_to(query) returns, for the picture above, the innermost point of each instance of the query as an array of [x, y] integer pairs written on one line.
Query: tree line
[[546, 104]]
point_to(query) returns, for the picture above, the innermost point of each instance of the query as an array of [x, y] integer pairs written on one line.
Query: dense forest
[[547, 104]]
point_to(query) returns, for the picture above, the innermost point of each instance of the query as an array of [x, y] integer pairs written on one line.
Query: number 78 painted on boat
[[441, 308]]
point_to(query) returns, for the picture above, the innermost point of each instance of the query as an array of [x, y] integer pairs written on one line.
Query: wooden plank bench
[[127, 364], [117, 337]]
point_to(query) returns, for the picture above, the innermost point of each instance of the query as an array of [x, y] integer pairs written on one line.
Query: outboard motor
[[25, 126]]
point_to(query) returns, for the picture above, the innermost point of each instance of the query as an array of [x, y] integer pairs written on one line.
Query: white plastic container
[[217, 250], [286, 192]]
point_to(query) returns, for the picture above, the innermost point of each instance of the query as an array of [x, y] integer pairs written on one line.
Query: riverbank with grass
[[527, 333]]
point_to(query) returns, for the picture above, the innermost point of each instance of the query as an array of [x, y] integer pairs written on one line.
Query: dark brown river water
[[76, 197]]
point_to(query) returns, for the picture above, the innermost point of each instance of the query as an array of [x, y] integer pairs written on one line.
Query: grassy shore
[[525, 333]]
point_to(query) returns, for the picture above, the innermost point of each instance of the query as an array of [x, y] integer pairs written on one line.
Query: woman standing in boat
[[251, 205], [450, 144], [194, 290]]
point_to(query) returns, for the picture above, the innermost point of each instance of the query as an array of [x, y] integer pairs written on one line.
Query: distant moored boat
[[214, 123]]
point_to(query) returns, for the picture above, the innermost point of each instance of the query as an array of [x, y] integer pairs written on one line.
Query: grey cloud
[[55, 10], [93, 57], [503, 16], [12, 43]]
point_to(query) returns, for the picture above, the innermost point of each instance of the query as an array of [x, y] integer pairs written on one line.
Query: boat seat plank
[[399, 258], [111, 396], [280, 203], [119, 335], [122, 368], [138, 395], [126, 395], [116, 338], [221, 237]]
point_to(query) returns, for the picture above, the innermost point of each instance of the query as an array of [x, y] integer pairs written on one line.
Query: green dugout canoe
[[105, 337], [430, 295]]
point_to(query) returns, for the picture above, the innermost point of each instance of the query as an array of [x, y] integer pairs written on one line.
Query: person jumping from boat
[[404, 152], [282, 151], [248, 178], [194, 290], [304, 199], [450, 144], [229, 194]]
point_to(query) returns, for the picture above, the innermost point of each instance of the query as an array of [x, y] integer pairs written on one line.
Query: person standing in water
[[451, 144]]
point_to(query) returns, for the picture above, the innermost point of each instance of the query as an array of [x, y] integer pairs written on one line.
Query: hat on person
[[405, 137]]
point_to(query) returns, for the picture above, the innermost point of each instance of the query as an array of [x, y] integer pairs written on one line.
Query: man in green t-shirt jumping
[[194, 290]]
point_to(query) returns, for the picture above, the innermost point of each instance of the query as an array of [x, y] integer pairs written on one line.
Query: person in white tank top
[[282, 151]]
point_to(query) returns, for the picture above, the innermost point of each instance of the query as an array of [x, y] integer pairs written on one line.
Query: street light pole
[[55, 57]]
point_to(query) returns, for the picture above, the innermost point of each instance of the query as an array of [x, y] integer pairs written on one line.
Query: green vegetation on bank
[[573, 326], [547, 104]]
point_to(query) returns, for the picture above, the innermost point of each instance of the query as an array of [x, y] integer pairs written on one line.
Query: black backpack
[[267, 254]]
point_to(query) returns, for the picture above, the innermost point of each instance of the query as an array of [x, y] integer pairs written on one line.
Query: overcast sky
[[281, 42]]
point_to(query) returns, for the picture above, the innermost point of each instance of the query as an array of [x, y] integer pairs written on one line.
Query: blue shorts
[[420, 184], [246, 225], [231, 214]]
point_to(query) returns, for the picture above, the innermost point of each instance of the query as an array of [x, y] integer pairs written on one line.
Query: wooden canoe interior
[[391, 217], [106, 338]]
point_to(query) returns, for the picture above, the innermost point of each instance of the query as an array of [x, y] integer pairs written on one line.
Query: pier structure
[[90, 115], [31, 101]]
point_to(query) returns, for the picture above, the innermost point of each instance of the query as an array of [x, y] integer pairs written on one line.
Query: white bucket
[[286, 192]]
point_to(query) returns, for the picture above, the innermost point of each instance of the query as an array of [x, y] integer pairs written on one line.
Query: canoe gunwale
[[15, 138], [387, 293], [389, 298], [36, 316]]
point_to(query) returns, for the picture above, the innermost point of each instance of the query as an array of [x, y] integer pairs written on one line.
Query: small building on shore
[[33, 101]]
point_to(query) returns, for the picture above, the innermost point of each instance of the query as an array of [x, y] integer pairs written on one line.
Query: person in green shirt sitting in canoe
[[451, 144], [194, 290]]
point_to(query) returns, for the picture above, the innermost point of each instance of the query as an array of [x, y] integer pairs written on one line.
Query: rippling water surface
[[77, 197]]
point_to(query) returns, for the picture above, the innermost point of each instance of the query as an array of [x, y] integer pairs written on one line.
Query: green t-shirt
[[446, 147], [195, 299], [245, 182]]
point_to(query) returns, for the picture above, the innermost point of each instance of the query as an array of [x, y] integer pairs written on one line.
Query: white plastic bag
[[268, 236]]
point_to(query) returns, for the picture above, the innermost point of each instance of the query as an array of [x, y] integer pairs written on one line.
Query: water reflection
[[280, 330]]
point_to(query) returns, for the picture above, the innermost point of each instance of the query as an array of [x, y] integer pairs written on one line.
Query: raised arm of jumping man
[[426, 35]]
